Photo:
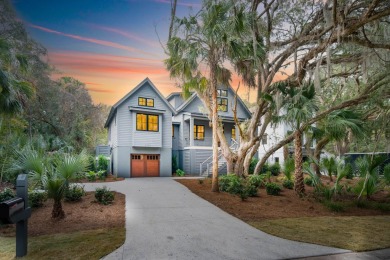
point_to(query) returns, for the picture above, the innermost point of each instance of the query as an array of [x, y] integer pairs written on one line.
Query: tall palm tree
[[298, 107], [196, 58]]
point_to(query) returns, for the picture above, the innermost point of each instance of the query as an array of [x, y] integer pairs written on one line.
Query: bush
[[289, 167], [74, 193], [200, 181], [36, 198], [272, 189], [102, 164], [349, 169], [288, 184], [104, 195], [179, 173], [233, 184], [275, 169], [256, 180], [265, 169], [308, 181], [252, 165], [6, 194], [91, 163], [91, 176]]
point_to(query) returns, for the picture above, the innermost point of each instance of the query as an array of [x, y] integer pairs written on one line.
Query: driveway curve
[[165, 220]]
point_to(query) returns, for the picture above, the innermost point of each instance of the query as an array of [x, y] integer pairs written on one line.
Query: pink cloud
[[128, 35], [92, 40]]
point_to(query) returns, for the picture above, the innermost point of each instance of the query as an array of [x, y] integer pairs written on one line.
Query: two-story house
[[147, 130]]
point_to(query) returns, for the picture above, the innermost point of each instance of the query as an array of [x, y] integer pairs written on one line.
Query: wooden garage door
[[145, 165]]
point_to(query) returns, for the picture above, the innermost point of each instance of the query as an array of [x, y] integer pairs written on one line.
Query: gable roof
[[117, 104], [194, 95]]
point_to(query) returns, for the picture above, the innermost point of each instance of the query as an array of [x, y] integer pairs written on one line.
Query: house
[[146, 131]]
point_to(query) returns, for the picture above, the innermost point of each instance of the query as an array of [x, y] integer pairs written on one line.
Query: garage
[[145, 165]]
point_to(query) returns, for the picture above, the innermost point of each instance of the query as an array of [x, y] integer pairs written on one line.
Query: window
[[234, 133], [264, 139], [147, 122], [222, 104], [276, 159], [173, 131], [222, 93], [222, 101], [199, 132], [146, 102]]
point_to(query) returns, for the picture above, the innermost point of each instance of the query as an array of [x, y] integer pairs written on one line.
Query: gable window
[[199, 132], [147, 122], [146, 102], [222, 101]]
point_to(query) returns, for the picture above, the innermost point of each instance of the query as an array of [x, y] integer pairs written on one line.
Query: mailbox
[[9, 209]]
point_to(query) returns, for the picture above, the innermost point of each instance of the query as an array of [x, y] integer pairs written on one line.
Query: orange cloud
[[92, 40], [128, 35]]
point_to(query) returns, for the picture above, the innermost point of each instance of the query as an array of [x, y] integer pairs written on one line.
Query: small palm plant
[[330, 164], [369, 170]]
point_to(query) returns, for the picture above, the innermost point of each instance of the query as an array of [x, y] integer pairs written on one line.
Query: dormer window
[[146, 102], [222, 101]]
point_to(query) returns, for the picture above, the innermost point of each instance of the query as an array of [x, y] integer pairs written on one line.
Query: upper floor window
[[234, 133], [199, 132], [146, 102], [222, 101], [147, 122]]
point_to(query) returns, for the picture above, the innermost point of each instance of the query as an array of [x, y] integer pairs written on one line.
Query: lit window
[[199, 132], [146, 102], [234, 133], [147, 122], [222, 93]]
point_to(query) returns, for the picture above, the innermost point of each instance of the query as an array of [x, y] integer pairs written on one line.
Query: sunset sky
[[111, 45]]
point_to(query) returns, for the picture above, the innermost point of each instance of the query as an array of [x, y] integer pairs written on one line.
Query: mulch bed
[[109, 178], [286, 205], [84, 215]]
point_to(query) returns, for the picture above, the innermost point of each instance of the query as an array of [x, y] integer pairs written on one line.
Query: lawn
[[347, 226]]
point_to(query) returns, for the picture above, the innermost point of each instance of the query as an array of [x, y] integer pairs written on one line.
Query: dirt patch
[[84, 215], [264, 207]]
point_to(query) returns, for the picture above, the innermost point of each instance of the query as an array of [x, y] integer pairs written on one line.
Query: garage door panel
[[145, 165]]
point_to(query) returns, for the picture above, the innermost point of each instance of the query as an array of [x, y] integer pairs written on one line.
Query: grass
[[352, 233], [77, 245]]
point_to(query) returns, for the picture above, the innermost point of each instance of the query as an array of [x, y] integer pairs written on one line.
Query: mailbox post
[[21, 226], [16, 211]]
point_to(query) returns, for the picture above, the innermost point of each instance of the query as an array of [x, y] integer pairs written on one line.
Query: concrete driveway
[[165, 220]]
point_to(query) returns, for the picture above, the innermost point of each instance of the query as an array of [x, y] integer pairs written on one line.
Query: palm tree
[[335, 127], [200, 49], [329, 163], [299, 106]]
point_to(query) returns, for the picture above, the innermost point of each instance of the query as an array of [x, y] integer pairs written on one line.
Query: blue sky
[[111, 45]]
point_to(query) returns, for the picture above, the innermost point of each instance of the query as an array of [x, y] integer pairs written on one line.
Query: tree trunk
[[299, 185], [230, 165], [214, 186], [285, 152], [317, 154], [57, 212]]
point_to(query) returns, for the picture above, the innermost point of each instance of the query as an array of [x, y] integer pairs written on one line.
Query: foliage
[[179, 173], [272, 188], [91, 163], [104, 195], [175, 165], [386, 174], [93, 176], [74, 193], [308, 181], [234, 184], [102, 164], [289, 167], [256, 180], [36, 198], [334, 206], [6, 194], [288, 184], [313, 178], [368, 168], [330, 164], [275, 169], [252, 165]]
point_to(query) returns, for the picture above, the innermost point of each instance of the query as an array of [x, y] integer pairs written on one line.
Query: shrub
[[101, 175], [200, 181], [256, 180], [91, 176], [74, 193], [273, 189], [102, 164], [349, 170], [179, 173], [333, 206], [288, 184], [308, 181], [289, 167], [174, 163], [91, 163], [230, 183], [264, 169], [104, 195], [250, 189], [275, 169], [386, 174], [36, 198], [6, 194], [252, 165]]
